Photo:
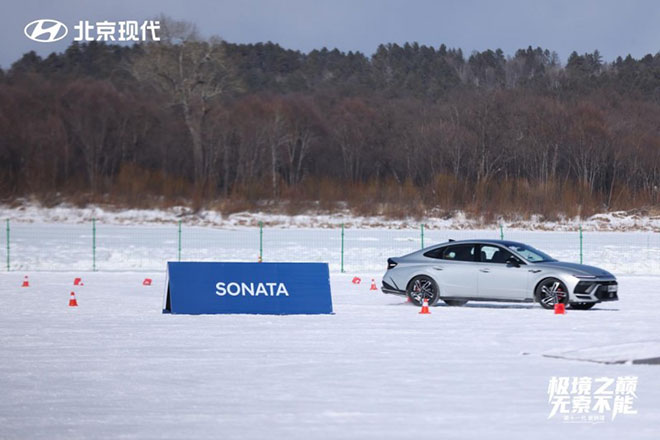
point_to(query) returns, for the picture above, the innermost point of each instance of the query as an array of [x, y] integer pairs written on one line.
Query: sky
[[614, 27]]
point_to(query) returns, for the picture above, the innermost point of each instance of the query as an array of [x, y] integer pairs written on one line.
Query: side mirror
[[513, 261]]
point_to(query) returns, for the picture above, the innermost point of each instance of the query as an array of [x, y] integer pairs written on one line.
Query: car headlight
[[585, 277]]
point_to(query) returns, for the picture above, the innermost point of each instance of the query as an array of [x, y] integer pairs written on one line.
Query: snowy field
[[57, 246], [115, 367]]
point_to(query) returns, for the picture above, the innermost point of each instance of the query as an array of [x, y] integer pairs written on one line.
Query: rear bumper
[[391, 290]]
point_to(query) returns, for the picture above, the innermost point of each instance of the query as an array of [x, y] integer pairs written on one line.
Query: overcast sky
[[615, 27]]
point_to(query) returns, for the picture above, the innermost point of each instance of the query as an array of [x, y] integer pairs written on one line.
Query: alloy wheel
[[551, 292]]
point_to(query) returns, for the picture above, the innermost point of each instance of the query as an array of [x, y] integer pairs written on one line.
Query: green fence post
[[8, 261], [179, 247], [342, 248], [93, 245], [580, 244], [422, 233], [261, 242], [501, 232]]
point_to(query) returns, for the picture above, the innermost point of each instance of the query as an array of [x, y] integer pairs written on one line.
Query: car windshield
[[530, 254]]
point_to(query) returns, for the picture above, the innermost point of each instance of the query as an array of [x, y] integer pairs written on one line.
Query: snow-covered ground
[[115, 367], [56, 246], [61, 238]]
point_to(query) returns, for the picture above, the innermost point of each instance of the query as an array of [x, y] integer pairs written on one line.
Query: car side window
[[459, 252], [494, 254], [435, 253]]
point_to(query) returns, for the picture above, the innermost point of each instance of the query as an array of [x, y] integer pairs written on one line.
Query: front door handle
[[484, 270], [534, 270], [437, 267]]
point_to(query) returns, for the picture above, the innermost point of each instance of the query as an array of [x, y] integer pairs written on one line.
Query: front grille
[[583, 286]]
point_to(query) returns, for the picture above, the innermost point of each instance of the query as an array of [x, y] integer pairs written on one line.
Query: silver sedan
[[496, 270]]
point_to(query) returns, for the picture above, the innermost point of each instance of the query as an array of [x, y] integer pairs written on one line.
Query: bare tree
[[303, 126], [93, 111], [192, 72]]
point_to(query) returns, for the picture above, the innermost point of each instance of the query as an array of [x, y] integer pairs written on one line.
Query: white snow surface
[[624, 352], [60, 238], [56, 246], [116, 367]]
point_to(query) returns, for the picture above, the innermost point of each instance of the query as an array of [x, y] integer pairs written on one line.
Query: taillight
[[390, 263]]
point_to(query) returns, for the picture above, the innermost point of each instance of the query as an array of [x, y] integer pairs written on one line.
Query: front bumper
[[596, 291]]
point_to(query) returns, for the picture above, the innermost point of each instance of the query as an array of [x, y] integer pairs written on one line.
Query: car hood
[[577, 269]]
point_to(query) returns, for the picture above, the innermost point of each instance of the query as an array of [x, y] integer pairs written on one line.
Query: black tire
[[455, 302], [420, 287], [581, 306], [549, 292]]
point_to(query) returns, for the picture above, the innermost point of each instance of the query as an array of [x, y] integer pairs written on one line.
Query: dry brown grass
[[510, 199]]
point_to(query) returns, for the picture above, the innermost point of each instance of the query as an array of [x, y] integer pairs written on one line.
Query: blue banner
[[256, 288]]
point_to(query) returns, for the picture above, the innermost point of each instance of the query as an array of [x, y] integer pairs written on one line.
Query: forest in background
[[410, 130]]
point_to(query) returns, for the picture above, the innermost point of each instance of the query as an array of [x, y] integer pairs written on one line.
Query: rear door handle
[[484, 270], [437, 267]]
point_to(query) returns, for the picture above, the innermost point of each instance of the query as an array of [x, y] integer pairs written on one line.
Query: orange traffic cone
[[356, 280], [425, 307], [560, 309], [72, 300], [373, 285], [146, 282], [77, 281], [26, 283]]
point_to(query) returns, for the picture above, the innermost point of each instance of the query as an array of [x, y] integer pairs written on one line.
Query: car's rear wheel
[[455, 302], [582, 306], [420, 287], [550, 292]]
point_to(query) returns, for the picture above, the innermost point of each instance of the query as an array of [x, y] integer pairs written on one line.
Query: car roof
[[505, 243]]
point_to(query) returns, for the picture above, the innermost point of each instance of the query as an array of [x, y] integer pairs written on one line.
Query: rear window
[[435, 253]]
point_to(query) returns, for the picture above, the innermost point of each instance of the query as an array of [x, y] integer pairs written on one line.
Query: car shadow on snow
[[486, 305], [522, 306], [525, 306]]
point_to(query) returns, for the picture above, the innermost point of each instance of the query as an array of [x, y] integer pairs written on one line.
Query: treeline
[[408, 130]]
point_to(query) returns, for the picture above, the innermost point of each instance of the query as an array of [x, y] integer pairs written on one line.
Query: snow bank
[[64, 213]]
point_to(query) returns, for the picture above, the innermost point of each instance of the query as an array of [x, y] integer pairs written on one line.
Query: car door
[[456, 272], [499, 280]]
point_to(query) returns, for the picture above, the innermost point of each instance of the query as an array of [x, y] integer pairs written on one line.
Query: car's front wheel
[[550, 292], [420, 287]]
